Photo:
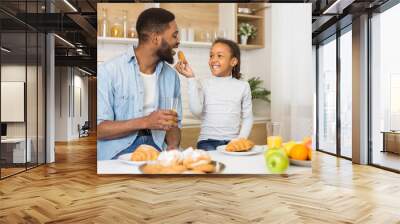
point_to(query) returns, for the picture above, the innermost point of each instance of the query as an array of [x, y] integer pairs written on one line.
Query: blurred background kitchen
[[340, 88]]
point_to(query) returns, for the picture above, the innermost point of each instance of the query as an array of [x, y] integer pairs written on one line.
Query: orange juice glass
[[274, 139], [171, 103], [274, 142]]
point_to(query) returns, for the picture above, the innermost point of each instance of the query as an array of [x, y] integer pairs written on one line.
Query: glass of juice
[[171, 103], [274, 140]]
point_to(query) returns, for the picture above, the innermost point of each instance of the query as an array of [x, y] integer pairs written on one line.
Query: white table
[[18, 149], [253, 164]]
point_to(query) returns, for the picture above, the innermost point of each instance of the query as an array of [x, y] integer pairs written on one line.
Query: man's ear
[[156, 39]]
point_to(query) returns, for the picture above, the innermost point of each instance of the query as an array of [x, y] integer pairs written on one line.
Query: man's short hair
[[153, 20]]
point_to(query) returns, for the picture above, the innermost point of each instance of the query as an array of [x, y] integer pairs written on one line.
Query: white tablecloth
[[252, 164]]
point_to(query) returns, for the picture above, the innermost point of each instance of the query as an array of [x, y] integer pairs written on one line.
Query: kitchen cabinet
[[206, 21]]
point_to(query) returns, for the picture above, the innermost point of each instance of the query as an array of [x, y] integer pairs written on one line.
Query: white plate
[[126, 158], [255, 150], [296, 162]]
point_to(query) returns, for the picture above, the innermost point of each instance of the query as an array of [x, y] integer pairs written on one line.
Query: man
[[135, 89]]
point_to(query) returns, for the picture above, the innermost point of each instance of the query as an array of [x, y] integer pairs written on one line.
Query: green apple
[[276, 160]]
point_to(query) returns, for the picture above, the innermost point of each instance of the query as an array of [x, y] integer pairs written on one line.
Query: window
[[346, 94], [395, 101], [385, 88], [22, 69], [327, 97]]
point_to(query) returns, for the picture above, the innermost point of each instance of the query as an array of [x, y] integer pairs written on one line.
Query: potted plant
[[258, 92], [246, 30]]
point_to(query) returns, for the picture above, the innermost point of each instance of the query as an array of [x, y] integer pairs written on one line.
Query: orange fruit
[[309, 154], [307, 141], [299, 152]]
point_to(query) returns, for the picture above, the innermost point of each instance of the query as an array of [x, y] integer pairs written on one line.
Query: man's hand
[[162, 120]]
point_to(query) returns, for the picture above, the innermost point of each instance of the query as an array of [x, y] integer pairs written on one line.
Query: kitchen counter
[[191, 121]]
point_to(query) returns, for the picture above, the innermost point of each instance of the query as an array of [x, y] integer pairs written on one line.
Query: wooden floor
[[10, 171], [70, 191]]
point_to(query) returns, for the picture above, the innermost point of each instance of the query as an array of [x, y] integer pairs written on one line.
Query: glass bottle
[[125, 23], [116, 28], [103, 23], [132, 30]]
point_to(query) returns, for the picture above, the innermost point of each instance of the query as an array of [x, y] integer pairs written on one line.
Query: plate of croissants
[[141, 155], [241, 147], [189, 161]]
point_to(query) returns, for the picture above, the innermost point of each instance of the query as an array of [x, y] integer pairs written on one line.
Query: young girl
[[224, 101]]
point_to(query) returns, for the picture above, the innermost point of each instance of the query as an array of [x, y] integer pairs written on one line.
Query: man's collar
[[132, 56]]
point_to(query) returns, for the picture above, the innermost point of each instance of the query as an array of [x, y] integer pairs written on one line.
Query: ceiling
[[77, 24], [332, 15], [78, 27]]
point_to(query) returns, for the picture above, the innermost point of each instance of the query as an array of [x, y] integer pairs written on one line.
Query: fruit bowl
[[296, 162]]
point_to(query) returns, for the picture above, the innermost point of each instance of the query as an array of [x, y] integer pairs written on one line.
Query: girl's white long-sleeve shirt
[[224, 106]]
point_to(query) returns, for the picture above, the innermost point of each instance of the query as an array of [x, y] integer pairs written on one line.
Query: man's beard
[[165, 52]]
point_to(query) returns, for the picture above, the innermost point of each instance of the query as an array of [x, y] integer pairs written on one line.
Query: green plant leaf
[[247, 29], [258, 92]]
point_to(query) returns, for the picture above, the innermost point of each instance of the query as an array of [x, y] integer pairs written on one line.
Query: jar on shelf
[[191, 33], [208, 36], [222, 33], [125, 23], [132, 30], [214, 35], [204, 36], [103, 23], [116, 28], [183, 34]]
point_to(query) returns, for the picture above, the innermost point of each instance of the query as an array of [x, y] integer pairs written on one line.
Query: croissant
[[145, 153], [175, 162], [239, 145], [181, 57]]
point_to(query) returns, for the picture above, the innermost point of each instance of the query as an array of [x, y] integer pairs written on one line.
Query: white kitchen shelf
[[190, 44], [247, 16], [114, 40]]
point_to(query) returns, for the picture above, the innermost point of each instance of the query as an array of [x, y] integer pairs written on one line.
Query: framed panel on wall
[[12, 100]]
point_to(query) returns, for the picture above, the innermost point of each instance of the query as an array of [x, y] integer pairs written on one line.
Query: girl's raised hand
[[184, 69]]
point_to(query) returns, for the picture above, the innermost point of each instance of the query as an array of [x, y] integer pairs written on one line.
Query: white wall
[[292, 78], [68, 82], [61, 103], [80, 83]]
